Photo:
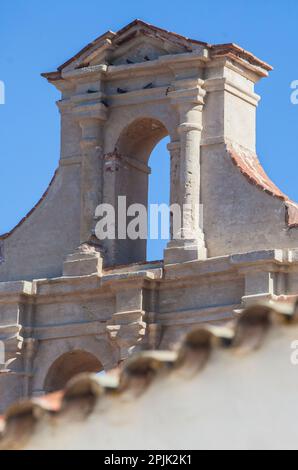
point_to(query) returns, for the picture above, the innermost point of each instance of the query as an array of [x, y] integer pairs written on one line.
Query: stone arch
[[69, 365], [49, 352], [139, 138], [126, 174], [121, 119]]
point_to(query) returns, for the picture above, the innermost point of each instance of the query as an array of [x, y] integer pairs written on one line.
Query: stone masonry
[[69, 304]]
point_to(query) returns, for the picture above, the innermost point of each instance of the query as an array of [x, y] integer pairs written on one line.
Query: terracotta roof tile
[[217, 50], [249, 165], [245, 335]]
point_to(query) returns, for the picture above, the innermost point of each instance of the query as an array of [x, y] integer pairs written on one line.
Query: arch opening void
[[159, 193], [141, 149], [68, 366]]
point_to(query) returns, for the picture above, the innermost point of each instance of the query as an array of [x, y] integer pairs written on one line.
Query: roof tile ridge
[[246, 334]]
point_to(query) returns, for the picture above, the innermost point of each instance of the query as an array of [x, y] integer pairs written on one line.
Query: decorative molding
[[72, 160], [127, 330], [223, 84]]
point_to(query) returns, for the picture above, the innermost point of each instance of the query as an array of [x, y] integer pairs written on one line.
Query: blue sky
[[38, 36]]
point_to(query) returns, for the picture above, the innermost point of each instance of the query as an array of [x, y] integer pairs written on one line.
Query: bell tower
[[71, 302], [126, 91], [119, 98]]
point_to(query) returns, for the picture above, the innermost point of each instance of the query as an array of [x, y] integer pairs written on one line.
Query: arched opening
[[159, 194], [68, 366], [127, 175]]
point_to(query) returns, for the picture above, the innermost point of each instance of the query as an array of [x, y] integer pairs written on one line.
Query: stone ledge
[[16, 287], [254, 257], [68, 330], [195, 316]]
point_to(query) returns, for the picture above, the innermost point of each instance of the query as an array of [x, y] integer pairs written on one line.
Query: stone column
[[174, 149], [188, 244]]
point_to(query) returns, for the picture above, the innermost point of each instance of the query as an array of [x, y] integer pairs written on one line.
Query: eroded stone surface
[[119, 97]]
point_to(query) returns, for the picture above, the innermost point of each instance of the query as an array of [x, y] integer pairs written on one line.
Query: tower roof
[[139, 28]]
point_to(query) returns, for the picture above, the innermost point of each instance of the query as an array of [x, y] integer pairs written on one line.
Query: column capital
[[87, 121], [91, 133], [89, 143], [188, 92], [65, 106], [87, 112]]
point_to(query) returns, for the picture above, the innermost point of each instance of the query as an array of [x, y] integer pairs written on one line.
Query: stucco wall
[[238, 214], [38, 247]]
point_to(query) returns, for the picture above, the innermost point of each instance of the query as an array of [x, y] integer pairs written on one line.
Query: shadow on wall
[[68, 366]]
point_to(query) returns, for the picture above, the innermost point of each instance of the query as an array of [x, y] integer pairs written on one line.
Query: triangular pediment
[[137, 42], [141, 42], [142, 49]]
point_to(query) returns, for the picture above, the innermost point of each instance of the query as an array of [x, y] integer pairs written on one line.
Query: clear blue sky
[[37, 36]]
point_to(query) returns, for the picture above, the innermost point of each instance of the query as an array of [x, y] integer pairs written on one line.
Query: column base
[[84, 262], [181, 251]]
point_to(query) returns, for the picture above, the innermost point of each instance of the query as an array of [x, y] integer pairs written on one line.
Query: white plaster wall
[[238, 216], [213, 116], [240, 121], [237, 402]]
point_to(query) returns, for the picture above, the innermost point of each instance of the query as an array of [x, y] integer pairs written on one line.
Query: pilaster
[[259, 271], [14, 373], [91, 116]]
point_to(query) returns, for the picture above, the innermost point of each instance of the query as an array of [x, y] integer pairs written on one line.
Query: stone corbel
[[127, 327], [12, 340], [129, 335]]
